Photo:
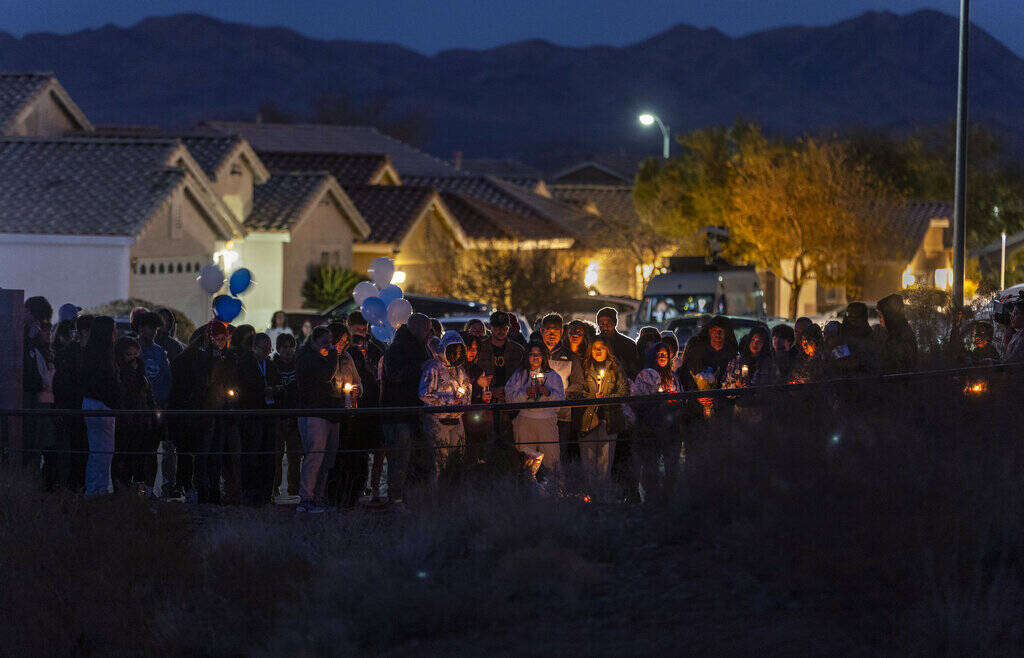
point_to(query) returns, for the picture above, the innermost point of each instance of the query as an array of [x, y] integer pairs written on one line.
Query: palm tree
[[328, 285]]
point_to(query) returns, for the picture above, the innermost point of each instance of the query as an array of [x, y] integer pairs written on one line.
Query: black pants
[[257, 435], [209, 438], [348, 477], [231, 460], [183, 434], [137, 468]]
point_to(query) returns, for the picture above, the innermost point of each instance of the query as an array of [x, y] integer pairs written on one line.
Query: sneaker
[[285, 499]]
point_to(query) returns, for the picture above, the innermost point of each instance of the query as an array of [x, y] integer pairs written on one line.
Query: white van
[[692, 286]]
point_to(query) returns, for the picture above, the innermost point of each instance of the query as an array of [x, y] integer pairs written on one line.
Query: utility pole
[[960, 192]]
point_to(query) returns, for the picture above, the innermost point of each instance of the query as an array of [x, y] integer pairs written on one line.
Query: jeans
[[398, 438], [320, 445], [100, 430], [597, 450]]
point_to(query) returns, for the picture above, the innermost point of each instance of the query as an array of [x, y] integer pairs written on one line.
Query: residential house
[[91, 220], [35, 104]]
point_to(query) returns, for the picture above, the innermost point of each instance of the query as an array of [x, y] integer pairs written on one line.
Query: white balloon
[[211, 278], [399, 311], [381, 270], [363, 291]]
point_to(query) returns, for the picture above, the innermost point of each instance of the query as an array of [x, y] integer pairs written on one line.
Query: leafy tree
[[806, 211], [328, 285]]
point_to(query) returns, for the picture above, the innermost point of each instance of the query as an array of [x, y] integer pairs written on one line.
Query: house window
[[152, 268], [180, 268]]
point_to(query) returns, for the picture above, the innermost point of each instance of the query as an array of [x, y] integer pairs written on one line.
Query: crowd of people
[[328, 459]]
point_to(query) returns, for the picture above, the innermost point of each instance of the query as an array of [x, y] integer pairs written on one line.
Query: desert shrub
[[123, 307], [891, 517]]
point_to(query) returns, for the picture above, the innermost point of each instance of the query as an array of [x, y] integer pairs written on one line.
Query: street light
[[648, 119]]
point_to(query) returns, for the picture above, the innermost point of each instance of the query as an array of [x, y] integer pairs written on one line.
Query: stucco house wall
[[323, 237], [45, 118], [263, 254], [167, 254], [83, 270]]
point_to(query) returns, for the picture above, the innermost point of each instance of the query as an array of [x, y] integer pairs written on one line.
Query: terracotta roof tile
[[348, 168], [389, 210], [279, 203]]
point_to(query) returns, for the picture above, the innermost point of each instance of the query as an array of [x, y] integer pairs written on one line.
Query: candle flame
[[601, 373], [347, 387], [231, 392]]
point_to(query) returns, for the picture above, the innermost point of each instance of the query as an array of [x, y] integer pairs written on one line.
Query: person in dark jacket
[[101, 391], [899, 350], [287, 439], [857, 354], [622, 347], [478, 424], [200, 380], [259, 385], [315, 366], [135, 435], [37, 378], [706, 359], [68, 391], [811, 365], [364, 431], [657, 436], [600, 425], [783, 352], [165, 336], [499, 357], [400, 387]]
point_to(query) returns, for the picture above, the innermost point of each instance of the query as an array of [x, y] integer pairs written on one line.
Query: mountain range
[[535, 100]]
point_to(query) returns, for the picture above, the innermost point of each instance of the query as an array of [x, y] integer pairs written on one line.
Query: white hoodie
[[515, 391], [440, 383]]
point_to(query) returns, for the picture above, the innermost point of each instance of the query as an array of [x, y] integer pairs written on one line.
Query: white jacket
[[440, 382], [515, 391]]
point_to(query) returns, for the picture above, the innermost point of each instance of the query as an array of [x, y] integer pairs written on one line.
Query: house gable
[[39, 107], [324, 235]]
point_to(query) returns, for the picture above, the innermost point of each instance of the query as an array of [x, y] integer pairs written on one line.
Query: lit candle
[[462, 391], [231, 392], [600, 380], [745, 370], [347, 388]]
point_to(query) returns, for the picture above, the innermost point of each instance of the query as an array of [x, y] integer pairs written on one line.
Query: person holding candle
[[657, 434], [536, 430], [601, 424], [478, 424], [706, 357], [344, 468], [569, 366], [754, 365], [315, 366], [445, 383], [811, 364]]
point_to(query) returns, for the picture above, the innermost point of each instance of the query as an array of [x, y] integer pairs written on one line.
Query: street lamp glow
[[648, 119]]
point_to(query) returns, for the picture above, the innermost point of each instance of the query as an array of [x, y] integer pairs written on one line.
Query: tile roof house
[[36, 104], [298, 220], [347, 168], [316, 138], [409, 223], [90, 220]]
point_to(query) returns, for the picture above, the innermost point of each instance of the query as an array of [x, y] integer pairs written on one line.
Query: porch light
[[944, 278], [590, 276], [398, 278], [908, 277]]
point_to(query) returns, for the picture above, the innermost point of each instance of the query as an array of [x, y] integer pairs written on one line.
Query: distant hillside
[[535, 100]]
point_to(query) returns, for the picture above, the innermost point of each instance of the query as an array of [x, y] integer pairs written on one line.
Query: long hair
[[651, 361], [766, 339], [590, 364], [99, 351], [469, 339], [544, 365]]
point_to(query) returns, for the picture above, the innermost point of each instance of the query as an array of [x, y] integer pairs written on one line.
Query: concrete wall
[[263, 254], [324, 236], [84, 270]]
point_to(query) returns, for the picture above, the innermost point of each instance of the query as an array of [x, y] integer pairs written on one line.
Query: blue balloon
[[390, 293], [375, 310], [240, 281], [385, 333], [226, 308]]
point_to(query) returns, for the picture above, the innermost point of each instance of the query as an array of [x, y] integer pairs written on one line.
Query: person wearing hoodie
[[657, 435], [316, 364], [899, 349], [165, 336], [401, 372], [754, 365], [536, 430], [102, 391], [200, 380], [444, 382]]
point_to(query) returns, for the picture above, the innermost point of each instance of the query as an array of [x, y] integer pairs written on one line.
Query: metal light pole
[[1002, 265], [960, 192], [648, 119]]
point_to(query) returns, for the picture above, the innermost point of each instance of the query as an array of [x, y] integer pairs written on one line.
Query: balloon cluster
[[381, 301], [225, 307]]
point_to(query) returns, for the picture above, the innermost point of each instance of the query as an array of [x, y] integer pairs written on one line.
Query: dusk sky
[[433, 25]]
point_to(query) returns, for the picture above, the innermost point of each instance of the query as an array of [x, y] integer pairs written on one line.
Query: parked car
[[838, 314], [687, 327]]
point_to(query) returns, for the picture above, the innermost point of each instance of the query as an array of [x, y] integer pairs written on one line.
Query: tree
[[807, 211], [328, 285]]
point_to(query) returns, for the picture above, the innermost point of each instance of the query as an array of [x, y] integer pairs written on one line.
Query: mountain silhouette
[[535, 100]]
